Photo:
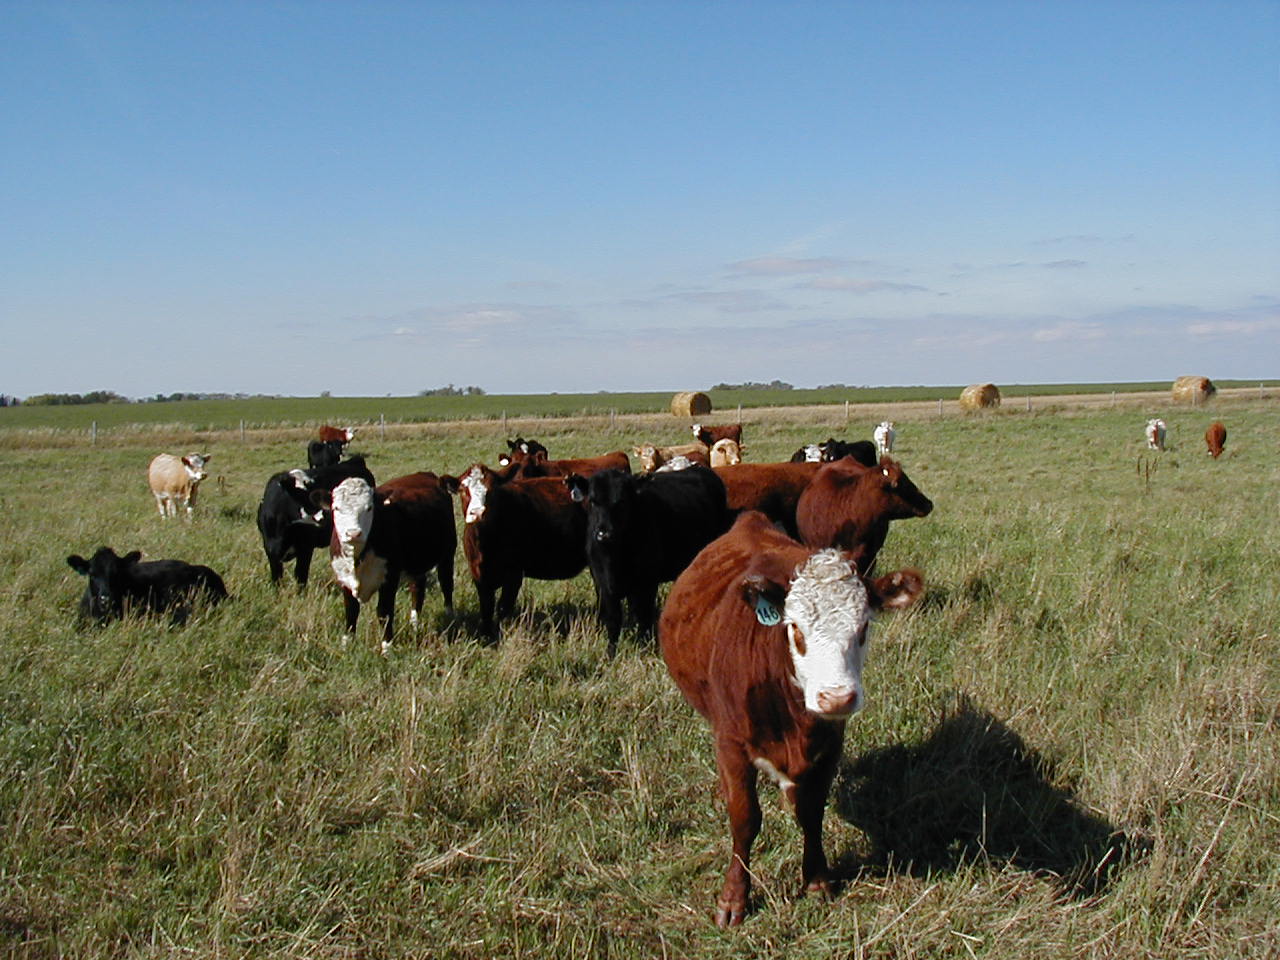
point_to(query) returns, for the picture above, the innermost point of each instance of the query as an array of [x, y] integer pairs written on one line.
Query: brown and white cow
[[772, 488], [1215, 438], [725, 453], [401, 529], [884, 436], [175, 481], [1156, 431], [709, 435], [328, 434], [848, 505], [652, 456], [516, 529], [766, 638]]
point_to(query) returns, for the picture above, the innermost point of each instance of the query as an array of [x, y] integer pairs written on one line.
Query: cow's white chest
[[362, 577]]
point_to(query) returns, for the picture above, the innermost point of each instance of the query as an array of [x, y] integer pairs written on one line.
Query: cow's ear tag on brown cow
[[766, 612]]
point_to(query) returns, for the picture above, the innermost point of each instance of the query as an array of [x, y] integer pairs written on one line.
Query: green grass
[[1070, 747]]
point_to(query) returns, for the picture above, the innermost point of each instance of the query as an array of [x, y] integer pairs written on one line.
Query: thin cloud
[[1065, 264], [790, 266], [1070, 330], [848, 285], [1233, 328], [731, 301]]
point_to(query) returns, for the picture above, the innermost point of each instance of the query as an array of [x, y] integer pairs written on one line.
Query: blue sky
[[376, 198]]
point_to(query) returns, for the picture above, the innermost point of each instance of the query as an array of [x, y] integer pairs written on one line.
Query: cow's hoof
[[730, 915]]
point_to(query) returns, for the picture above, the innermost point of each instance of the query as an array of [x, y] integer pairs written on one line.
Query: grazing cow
[[521, 449], [772, 488], [1155, 432], [643, 530], [849, 506], [324, 453], [709, 435], [766, 638], [516, 529], [402, 528], [884, 436], [291, 525], [176, 480], [1215, 438], [118, 585], [675, 464], [725, 452], [864, 451], [343, 435], [537, 465], [652, 456]]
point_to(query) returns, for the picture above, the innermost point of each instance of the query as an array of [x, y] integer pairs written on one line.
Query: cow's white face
[[827, 614], [813, 453], [474, 484], [194, 465], [352, 512]]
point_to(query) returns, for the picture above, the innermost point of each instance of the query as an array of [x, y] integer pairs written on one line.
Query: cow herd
[[772, 567], [1157, 432]]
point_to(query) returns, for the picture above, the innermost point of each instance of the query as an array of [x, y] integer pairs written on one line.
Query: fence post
[[504, 421], [382, 426], [93, 433], [1028, 403], [242, 431], [939, 406]]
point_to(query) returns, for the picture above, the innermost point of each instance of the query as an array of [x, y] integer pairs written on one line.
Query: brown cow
[[652, 456], [709, 435], [175, 481], [772, 488], [405, 528], [537, 465], [344, 435], [1215, 438], [517, 529], [765, 638], [849, 506]]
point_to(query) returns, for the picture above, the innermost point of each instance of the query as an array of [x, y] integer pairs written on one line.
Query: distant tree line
[[74, 399], [174, 397], [452, 391], [752, 385]]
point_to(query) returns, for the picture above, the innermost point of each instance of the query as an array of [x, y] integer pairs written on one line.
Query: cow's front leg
[[738, 782], [810, 796], [387, 607]]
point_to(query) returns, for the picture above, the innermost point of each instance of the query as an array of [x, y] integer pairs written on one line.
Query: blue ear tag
[[767, 613]]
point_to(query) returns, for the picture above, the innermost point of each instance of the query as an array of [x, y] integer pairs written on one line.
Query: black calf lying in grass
[[118, 585]]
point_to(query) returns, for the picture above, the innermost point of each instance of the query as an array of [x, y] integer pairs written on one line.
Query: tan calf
[[175, 480]]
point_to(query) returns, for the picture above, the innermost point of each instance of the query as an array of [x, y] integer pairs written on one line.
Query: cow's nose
[[602, 535], [838, 702]]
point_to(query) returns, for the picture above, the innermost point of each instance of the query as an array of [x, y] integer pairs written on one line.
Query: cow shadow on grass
[[974, 792]]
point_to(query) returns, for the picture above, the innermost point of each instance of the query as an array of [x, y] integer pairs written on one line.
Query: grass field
[[1069, 750]]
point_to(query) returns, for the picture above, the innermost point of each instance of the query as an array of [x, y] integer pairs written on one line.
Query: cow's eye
[[797, 640]]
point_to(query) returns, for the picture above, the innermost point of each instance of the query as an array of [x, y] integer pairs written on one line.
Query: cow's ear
[[206, 457], [323, 499], [450, 484], [897, 590], [79, 564], [132, 557], [577, 487], [765, 596]]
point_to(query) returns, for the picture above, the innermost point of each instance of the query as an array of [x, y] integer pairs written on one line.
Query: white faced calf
[[175, 481]]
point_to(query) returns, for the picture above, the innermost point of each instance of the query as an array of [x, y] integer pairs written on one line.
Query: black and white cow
[[120, 585], [291, 525], [831, 449], [643, 530]]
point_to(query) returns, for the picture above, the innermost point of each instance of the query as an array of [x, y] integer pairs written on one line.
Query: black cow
[[291, 524], [324, 453], [863, 451], [520, 449], [118, 585], [643, 530]]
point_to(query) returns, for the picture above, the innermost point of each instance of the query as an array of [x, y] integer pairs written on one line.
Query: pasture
[[1069, 748]]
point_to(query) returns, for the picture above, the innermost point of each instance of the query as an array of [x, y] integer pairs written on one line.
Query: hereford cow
[[1215, 438], [516, 529], [291, 525], [176, 480], [864, 451], [652, 457], [884, 435], [765, 638], [1156, 431], [725, 452], [402, 528], [343, 435], [537, 465], [772, 488], [643, 530], [849, 506], [709, 435], [119, 585]]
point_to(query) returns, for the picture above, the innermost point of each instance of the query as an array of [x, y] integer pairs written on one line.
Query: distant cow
[[120, 585], [1215, 438], [401, 529], [651, 456], [884, 436], [537, 465], [864, 451], [343, 435], [772, 488], [643, 530], [520, 449], [324, 453], [766, 638], [725, 453], [1155, 432], [709, 435], [516, 529], [176, 480], [849, 506], [291, 525]]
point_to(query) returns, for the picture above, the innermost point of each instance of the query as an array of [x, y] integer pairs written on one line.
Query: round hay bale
[[979, 396], [690, 404], [1193, 390]]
